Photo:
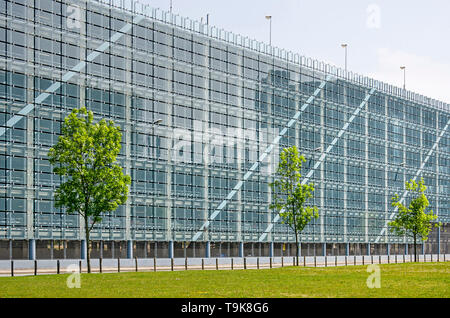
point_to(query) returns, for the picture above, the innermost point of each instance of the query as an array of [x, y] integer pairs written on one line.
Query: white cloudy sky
[[381, 35]]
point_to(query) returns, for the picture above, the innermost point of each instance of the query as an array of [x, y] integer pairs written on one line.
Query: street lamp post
[[345, 48], [403, 68], [170, 6], [269, 17]]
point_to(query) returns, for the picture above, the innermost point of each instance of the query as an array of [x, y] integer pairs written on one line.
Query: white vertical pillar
[[128, 129], [208, 249], [439, 240], [169, 165], [298, 103], [322, 145], [83, 249], [29, 152], [171, 253], [31, 249], [345, 164], [130, 249], [205, 157], [82, 85], [262, 149], [240, 156], [436, 163], [366, 171], [241, 249], [386, 169]]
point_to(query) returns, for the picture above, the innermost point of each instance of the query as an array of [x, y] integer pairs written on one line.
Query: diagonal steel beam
[[415, 177], [261, 158], [322, 157], [76, 69]]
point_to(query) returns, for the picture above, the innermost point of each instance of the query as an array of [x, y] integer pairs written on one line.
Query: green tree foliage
[[290, 196], [413, 221], [85, 156]]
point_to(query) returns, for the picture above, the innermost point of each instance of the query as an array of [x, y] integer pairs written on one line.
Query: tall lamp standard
[[403, 68], [269, 17], [345, 48]]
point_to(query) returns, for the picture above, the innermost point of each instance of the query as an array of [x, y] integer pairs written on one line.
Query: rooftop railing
[[196, 26]]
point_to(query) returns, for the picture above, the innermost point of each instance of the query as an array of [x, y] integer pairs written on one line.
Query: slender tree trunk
[[88, 256]]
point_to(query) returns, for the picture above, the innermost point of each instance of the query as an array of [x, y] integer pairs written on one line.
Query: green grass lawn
[[397, 280]]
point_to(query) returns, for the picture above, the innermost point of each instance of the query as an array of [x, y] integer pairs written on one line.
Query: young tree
[[290, 196], [85, 156], [413, 221]]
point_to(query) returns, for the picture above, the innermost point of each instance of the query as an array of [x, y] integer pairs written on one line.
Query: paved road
[[210, 264]]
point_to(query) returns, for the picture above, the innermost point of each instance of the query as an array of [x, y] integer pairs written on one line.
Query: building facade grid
[[220, 106]]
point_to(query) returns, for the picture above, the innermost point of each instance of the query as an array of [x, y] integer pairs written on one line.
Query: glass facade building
[[204, 115]]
